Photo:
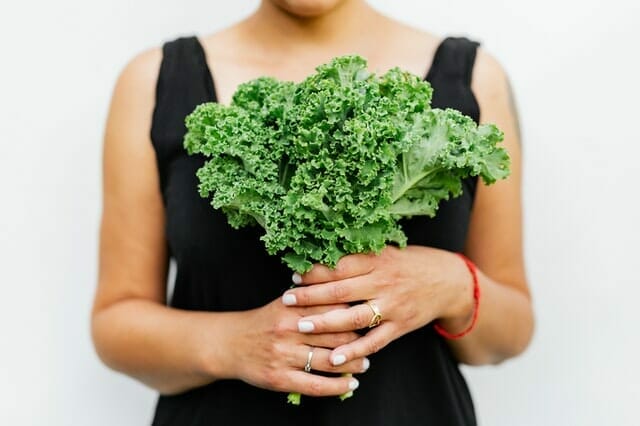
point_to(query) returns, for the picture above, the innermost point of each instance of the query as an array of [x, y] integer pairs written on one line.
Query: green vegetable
[[294, 398], [328, 166]]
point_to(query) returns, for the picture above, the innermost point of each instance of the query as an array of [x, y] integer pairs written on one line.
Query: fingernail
[[296, 278], [305, 326], [289, 299], [353, 384], [365, 364], [338, 359]]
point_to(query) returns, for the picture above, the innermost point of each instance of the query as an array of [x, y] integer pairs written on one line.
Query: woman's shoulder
[[490, 82], [132, 103], [139, 74], [487, 68]]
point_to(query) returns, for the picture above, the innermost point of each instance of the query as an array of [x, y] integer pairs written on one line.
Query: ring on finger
[[307, 366], [377, 316]]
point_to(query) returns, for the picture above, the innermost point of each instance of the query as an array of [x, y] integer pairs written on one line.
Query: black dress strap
[[450, 76], [451, 73], [183, 83]]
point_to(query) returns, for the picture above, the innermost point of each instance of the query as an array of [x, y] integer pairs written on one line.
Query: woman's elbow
[[102, 340], [521, 341]]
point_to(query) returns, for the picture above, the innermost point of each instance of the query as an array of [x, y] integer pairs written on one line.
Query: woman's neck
[[348, 26]]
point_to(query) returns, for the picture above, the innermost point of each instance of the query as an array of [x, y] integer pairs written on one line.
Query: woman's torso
[[413, 381]]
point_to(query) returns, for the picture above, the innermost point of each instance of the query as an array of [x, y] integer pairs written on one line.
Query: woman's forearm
[[168, 349], [504, 326]]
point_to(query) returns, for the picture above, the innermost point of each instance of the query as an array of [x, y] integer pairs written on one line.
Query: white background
[[574, 66]]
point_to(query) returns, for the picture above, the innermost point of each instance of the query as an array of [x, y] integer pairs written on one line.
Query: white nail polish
[[353, 384], [296, 278], [338, 359], [289, 299], [365, 364], [305, 326]]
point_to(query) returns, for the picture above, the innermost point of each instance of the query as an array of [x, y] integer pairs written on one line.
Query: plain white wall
[[574, 66]]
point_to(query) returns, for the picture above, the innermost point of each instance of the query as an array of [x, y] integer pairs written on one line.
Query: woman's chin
[[307, 8]]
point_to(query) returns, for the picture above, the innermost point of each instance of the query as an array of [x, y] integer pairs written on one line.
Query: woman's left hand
[[411, 287]]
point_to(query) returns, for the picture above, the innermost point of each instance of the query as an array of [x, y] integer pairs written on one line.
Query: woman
[[234, 331]]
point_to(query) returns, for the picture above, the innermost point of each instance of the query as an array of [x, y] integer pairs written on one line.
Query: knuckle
[[389, 253], [359, 319], [274, 353], [280, 328], [387, 285], [278, 351], [343, 267], [340, 292], [374, 345], [270, 349], [314, 387], [273, 379], [387, 263], [411, 314], [303, 297]]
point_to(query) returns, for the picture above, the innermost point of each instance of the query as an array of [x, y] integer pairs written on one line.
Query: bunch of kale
[[328, 166]]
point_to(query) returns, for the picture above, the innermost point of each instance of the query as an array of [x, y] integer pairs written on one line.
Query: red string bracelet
[[476, 303]]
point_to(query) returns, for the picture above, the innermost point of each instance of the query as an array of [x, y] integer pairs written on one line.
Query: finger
[[366, 345], [289, 324], [348, 266], [329, 340], [334, 292], [353, 318], [315, 385], [320, 361], [304, 311]]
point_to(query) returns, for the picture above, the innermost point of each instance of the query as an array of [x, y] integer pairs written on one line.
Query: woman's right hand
[[264, 348]]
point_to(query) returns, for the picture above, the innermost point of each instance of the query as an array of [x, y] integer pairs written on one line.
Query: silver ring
[[307, 367]]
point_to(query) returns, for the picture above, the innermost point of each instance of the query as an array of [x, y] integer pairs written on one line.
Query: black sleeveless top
[[413, 381]]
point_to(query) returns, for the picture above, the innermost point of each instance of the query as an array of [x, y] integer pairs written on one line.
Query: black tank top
[[413, 381]]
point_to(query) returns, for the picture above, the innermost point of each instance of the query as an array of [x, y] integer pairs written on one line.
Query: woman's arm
[[174, 350], [494, 241], [417, 285], [132, 330]]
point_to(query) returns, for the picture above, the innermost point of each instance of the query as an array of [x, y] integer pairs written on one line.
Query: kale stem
[[294, 398], [409, 184], [285, 172]]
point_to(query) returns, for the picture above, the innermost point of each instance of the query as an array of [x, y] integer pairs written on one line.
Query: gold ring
[[377, 316]]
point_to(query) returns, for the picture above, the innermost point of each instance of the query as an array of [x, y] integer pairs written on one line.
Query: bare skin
[[290, 50], [173, 350]]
